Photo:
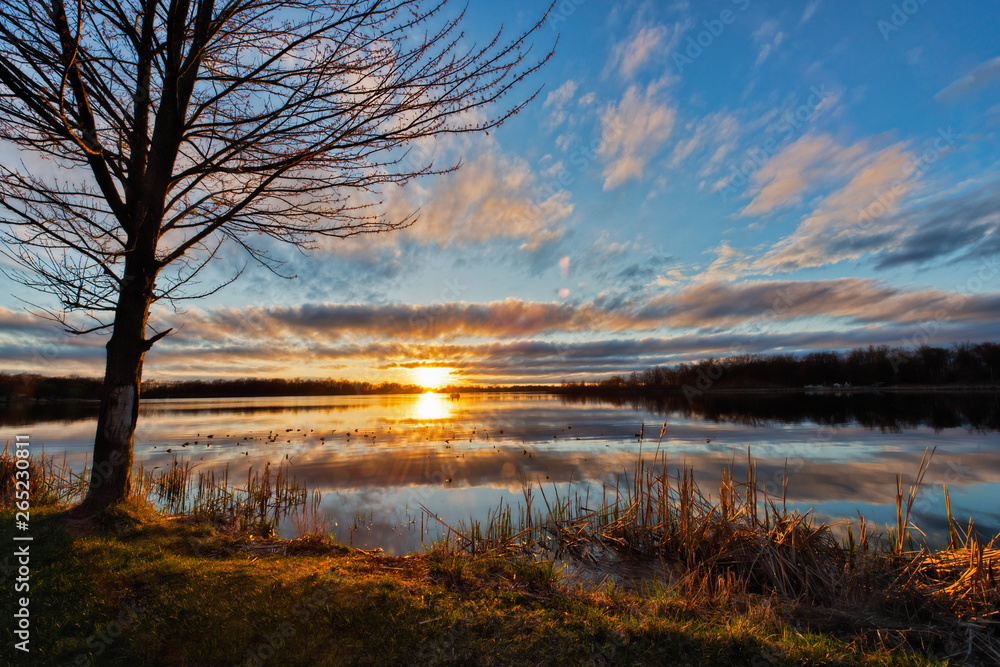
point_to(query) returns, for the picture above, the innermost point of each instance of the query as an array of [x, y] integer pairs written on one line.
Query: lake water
[[384, 457]]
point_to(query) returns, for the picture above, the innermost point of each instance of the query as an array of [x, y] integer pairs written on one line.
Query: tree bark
[[111, 472]]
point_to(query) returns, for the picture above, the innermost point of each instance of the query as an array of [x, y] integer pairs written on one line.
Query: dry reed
[[179, 489], [661, 526]]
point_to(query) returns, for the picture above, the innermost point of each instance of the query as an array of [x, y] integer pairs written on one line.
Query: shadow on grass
[[133, 589]]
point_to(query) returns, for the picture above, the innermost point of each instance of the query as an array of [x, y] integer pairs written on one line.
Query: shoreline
[[563, 391]]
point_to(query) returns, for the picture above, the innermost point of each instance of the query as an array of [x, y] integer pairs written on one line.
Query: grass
[[134, 588], [655, 575], [748, 546]]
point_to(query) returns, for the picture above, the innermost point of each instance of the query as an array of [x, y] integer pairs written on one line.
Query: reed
[[655, 526], [50, 480], [177, 490]]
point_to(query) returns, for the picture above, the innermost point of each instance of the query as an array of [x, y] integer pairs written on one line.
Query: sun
[[432, 377]]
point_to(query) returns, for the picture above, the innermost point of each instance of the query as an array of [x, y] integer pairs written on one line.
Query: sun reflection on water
[[431, 406]]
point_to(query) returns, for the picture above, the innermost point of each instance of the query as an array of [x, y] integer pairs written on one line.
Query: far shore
[[456, 393]]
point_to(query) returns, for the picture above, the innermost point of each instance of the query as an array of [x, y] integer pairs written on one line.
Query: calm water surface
[[383, 457]]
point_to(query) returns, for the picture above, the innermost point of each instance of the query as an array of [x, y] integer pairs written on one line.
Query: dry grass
[[660, 527], [50, 481], [656, 527], [180, 489]]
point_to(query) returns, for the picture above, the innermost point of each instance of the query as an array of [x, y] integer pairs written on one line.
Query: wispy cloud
[[810, 11], [557, 100], [979, 78], [708, 305], [857, 301], [716, 132], [956, 228], [561, 95], [767, 38], [512, 339], [511, 361], [841, 227], [644, 44], [493, 195], [633, 132], [809, 161]]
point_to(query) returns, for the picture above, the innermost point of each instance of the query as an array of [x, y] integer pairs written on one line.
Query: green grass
[[130, 588]]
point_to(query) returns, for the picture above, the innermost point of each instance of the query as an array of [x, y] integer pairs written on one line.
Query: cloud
[[798, 168], [856, 301], [960, 228], [494, 195], [810, 11], [356, 340], [843, 219], [728, 264], [34, 344], [768, 38], [495, 361], [642, 45], [508, 318], [717, 132], [561, 95], [706, 306], [633, 131], [979, 78], [12, 321], [557, 100]]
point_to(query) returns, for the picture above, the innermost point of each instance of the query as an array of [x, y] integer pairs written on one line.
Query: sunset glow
[[432, 377], [800, 177], [394, 302]]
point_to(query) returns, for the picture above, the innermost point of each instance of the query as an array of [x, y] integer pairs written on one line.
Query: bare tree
[[170, 128]]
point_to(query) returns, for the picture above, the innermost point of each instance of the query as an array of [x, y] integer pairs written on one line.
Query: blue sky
[[692, 180]]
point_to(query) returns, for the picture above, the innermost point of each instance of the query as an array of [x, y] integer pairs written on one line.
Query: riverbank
[[134, 587], [27, 389], [656, 573]]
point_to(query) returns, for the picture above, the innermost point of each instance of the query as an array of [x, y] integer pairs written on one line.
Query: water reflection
[[432, 406], [886, 411], [387, 456]]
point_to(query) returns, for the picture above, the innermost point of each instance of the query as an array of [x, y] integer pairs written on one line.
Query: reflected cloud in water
[[386, 456]]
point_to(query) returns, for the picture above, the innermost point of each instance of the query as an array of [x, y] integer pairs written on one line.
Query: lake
[[379, 459]]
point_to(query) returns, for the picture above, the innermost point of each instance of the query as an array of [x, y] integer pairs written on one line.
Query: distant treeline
[[54, 388], [960, 364], [30, 385], [964, 363], [271, 387]]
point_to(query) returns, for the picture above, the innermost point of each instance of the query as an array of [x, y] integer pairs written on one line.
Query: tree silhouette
[[170, 128]]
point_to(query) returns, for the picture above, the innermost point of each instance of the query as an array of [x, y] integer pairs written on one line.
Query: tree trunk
[[111, 471]]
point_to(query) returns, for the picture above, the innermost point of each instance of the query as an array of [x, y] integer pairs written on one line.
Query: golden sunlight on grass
[[431, 377]]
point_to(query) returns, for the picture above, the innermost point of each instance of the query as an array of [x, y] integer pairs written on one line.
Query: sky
[[693, 180]]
